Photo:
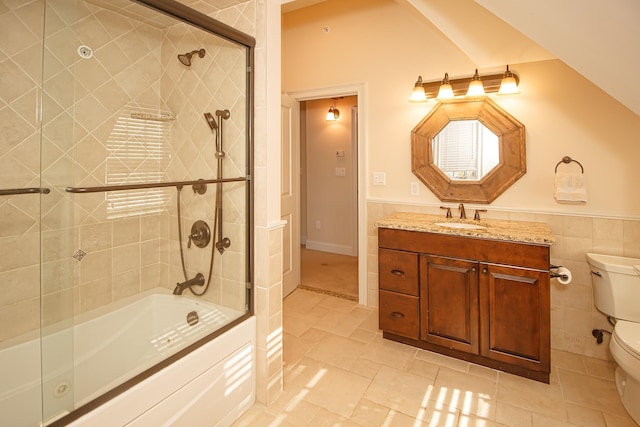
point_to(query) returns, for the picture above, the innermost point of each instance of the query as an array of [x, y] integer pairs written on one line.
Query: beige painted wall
[[564, 113], [330, 198]]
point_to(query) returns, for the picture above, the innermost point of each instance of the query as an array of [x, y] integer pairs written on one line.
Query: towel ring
[[567, 160]]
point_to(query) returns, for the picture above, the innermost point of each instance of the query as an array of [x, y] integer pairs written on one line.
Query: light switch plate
[[379, 178]]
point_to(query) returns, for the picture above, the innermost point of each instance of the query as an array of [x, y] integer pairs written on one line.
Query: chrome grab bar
[[141, 186], [32, 190]]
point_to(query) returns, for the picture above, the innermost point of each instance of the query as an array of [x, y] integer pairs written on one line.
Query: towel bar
[[567, 160]]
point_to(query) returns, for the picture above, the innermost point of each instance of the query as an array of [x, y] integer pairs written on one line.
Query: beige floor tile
[[337, 351], [590, 392], [371, 323], [586, 417], [338, 304], [483, 371], [600, 368], [422, 368], [298, 323], [297, 381], [389, 353], [298, 412], [363, 335], [404, 392], [513, 416], [442, 360], [294, 348], [531, 395], [336, 390], [366, 368], [475, 421], [427, 418], [545, 421], [326, 418], [369, 413], [619, 420], [302, 300], [338, 323], [472, 395], [564, 359], [258, 416]]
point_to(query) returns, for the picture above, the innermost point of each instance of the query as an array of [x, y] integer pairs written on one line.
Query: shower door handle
[[32, 190]]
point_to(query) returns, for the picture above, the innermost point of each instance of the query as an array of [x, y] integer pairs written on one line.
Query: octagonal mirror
[[468, 150]]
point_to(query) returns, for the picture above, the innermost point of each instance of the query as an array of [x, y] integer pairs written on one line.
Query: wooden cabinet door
[[449, 302], [515, 324]]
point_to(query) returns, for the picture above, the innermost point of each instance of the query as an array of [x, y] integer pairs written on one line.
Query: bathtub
[[213, 383]]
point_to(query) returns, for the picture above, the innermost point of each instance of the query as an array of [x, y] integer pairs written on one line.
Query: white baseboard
[[330, 247], [303, 240]]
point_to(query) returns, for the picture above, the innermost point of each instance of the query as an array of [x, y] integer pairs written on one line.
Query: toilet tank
[[616, 285]]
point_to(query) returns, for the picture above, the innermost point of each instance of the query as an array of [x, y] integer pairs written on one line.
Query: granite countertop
[[493, 229]]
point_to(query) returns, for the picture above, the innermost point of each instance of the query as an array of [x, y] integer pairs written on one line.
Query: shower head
[[185, 58], [211, 121]]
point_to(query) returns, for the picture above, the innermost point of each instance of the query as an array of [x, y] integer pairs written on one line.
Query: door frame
[[357, 89]]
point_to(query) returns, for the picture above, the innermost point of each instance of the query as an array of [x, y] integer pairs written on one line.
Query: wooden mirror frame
[[511, 142]]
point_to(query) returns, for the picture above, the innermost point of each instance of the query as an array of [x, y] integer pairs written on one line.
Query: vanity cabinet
[[481, 300]]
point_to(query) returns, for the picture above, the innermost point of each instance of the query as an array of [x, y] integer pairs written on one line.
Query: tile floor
[[339, 371]]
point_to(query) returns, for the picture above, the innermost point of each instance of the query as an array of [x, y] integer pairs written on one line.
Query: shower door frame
[[199, 20]]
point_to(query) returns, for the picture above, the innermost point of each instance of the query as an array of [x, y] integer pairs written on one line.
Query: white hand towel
[[570, 187]]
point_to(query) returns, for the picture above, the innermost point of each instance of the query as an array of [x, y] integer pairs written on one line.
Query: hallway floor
[[329, 273], [339, 371]]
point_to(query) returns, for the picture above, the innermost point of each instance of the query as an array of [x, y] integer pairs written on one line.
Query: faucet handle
[[477, 214], [448, 211]]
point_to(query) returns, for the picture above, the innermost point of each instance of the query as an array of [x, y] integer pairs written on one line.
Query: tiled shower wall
[[93, 135], [20, 75], [573, 314]]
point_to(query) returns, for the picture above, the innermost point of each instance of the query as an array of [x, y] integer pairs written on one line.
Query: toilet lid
[[628, 335]]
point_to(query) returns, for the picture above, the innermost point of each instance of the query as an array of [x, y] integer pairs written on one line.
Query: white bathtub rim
[[119, 411]]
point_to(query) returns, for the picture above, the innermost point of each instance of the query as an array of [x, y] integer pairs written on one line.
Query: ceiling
[[600, 40]]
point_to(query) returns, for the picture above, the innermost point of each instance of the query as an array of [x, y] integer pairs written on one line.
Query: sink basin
[[461, 225]]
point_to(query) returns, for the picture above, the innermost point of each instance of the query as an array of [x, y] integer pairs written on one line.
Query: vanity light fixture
[[508, 84], [418, 94], [466, 86], [476, 88], [333, 113], [445, 91]]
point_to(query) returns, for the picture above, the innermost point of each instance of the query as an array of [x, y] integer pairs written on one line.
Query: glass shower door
[[58, 231]]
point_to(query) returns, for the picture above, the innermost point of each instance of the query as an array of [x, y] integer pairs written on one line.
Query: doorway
[[328, 196], [358, 229]]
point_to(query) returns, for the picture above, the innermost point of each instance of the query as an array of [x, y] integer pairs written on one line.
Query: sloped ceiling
[[598, 39], [483, 37]]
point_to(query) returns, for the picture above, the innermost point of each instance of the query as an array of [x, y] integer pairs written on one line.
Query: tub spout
[[180, 287]]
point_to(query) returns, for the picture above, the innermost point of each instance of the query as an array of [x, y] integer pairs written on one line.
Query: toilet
[[616, 293]]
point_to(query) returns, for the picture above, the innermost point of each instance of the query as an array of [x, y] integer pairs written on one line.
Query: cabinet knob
[[473, 269], [397, 272], [397, 314], [485, 271]]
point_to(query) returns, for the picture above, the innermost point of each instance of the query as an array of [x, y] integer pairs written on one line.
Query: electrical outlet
[[379, 178], [317, 224], [415, 189], [340, 153], [341, 172]]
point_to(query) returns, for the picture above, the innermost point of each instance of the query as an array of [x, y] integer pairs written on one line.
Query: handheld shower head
[[211, 121], [185, 58]]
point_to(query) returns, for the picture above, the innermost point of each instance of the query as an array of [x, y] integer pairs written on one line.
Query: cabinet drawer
[[399, 314], [398, 271]]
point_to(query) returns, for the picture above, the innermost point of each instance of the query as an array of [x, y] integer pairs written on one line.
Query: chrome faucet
[[180, 287], [463, 213]]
